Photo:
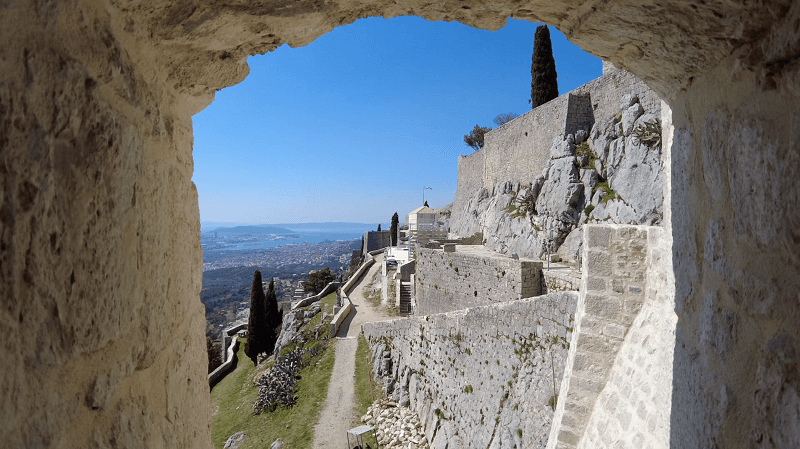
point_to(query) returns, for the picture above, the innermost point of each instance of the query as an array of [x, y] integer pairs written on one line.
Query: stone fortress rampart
[[518, 151], [480, 377], [609, 344], [470, 277]]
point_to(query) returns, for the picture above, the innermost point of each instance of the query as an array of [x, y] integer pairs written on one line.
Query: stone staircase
[[405, 298]]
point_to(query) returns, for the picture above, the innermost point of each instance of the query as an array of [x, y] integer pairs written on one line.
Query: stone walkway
[[338, 412]]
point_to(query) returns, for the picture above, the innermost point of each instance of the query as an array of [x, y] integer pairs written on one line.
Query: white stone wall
[[612, 294], [634, 408], [448, 281], [487, 370], [470, 179]]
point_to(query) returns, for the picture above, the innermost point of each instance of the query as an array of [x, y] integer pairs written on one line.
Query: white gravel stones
[[396, 427]]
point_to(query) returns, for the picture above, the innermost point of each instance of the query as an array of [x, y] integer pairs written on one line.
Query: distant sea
[[300, 234]]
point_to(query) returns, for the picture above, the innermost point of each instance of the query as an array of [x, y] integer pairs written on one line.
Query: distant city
[[232, 254]]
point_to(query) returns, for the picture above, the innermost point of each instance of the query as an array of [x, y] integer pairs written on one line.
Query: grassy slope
[[366, 392], [234, 396]]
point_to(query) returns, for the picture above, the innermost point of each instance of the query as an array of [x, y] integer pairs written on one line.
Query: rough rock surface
[[478, 375], [395, 426], [569, 183], [235, 441]]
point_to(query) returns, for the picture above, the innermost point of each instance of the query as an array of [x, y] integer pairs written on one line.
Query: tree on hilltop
[[274, 317], [318, 280], [257, 325], [393, 229], [379, 227], [475, 137], [502, 119], [544, 83]]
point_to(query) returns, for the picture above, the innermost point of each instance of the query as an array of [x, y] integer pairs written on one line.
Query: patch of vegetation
[[583, 150], [553, 401], [519, 433], [234, 396], [649, 133], [610, 193], [366, 393], [468, 389], [318, 280], [588, 210]]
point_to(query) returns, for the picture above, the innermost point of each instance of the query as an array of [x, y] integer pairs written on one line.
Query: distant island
[[253, 230], [289, 228]]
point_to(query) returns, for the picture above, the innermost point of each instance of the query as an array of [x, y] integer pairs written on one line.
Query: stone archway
[[99, 249]]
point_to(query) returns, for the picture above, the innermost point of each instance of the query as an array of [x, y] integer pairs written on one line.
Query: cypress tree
[[395, 225], [257, 322], [273, 317], [544, 83], [379, 227]]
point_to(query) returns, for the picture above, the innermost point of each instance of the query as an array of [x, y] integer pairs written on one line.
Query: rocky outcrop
[[610, 172], [628, 157], [395, 426], [293, 321]]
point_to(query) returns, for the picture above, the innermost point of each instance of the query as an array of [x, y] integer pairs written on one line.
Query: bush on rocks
[[277, 385]]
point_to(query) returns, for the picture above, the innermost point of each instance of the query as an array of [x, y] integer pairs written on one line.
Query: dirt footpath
[[337, 413]]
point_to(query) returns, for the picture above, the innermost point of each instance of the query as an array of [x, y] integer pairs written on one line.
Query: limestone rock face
[[631, 170]]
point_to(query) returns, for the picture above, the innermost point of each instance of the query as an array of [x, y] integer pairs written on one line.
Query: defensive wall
[[470, 277], [375, 240], [517, 151], [617, 374], [479, 376]]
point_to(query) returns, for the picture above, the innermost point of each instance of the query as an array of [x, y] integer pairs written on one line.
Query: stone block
[[598, 236], [599, 263], [632, 306], [568, 437], [603, 306], [596, 284], [614, 330], [449, 247]]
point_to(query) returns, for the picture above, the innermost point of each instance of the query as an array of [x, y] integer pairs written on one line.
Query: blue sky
[[352, 126]]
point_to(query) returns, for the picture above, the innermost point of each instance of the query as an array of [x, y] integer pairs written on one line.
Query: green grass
[[232, 400], [366, 392], [610, 194]]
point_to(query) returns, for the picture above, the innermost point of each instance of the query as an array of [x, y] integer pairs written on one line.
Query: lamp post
[[423, 194]]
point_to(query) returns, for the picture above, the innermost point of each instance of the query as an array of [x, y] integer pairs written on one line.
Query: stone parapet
[[470, 277], [479, 377], [561, 278], [613, 290]]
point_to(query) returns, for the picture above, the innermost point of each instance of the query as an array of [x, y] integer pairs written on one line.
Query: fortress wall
[[489, 370], [614, 384], [453, 281], [470, 180], [518, 150], [375, 240], [634, 407], [606, 93]]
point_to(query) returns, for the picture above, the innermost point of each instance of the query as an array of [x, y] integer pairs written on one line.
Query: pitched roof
[[422, 210]]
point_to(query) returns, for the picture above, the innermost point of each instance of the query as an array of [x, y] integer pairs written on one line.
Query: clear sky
[[352, 126]]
